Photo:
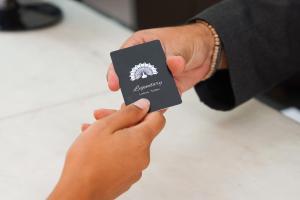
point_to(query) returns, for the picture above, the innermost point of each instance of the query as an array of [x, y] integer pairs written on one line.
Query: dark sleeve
[[261, 40]]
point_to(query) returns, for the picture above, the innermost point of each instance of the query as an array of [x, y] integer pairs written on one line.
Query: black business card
[[143, 73]]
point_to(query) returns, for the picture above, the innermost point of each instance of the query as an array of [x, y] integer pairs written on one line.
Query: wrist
[[208, 40], [71, 189], [216, 59]]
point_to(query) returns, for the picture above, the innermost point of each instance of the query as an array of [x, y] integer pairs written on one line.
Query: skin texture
[[110, 155], [188, 50]]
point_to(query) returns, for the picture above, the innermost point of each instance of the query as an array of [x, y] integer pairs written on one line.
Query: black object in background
[[15, 16], [158, 13]]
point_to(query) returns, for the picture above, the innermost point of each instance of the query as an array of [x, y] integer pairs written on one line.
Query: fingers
[[139, 37], [128, 116], [150, 127], [132, 41], [112, 79], [101, 113], [98, 114]]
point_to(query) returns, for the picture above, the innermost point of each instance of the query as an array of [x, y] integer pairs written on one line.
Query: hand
[[188, 50], [110, 155]]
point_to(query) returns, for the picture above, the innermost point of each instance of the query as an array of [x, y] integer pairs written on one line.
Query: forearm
[[257, 43], [69, 190]]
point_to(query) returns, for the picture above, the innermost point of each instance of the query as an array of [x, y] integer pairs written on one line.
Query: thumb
[[128, 116]]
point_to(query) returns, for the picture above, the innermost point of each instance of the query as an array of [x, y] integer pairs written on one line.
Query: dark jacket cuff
[[256, 62], [217, 92]]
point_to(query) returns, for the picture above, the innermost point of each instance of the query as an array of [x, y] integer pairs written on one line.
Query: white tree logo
[[142, 70]]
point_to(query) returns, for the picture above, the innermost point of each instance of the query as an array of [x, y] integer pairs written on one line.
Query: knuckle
[[138, 177], [139, 33], [135, 178], [104, 124], [162, 119], [96, 113], [147, 136], [145, 162], [127, 188]]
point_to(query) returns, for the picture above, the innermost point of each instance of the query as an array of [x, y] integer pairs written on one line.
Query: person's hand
[[188, 50], [110, 155]]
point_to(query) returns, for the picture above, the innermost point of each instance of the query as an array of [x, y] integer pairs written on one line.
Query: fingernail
[[142, 104]]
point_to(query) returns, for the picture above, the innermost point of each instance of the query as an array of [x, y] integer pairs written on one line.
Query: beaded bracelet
[[217, 52]]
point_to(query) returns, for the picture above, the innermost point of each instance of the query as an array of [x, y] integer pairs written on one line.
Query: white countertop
[[53, 79]]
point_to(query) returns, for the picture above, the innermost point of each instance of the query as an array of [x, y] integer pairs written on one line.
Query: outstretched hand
[[110, 155]]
